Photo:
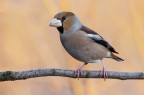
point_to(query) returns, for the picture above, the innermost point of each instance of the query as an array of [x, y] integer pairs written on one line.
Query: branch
[[21, 75]]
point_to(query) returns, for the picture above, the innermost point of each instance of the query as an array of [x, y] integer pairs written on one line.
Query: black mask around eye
[[63, 18]]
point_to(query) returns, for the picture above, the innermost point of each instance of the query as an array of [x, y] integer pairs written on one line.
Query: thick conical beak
[[55, 23]]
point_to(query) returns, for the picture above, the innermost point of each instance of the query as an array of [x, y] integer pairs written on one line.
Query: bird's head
[[66, 22]]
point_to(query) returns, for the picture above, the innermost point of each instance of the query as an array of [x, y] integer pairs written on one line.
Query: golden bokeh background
[[27, 42]]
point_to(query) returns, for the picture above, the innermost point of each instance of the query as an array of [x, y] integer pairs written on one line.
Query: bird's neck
[[76, 27]]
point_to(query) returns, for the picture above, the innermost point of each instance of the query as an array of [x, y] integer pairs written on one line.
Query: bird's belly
[[82, 54], [78, 54], [82, 51]]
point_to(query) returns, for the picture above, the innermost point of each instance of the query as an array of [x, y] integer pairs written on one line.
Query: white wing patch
[[108, 55], [94, 36]]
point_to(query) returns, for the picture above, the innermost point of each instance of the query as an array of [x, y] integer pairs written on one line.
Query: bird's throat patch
[[60, 29]]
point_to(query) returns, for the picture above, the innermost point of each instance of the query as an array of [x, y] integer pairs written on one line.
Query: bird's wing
[[97, 38]]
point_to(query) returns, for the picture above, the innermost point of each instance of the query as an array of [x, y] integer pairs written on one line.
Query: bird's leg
[[103, 71], [78, 71]]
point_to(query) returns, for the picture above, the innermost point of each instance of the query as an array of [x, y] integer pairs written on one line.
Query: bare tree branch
[[21, 75]]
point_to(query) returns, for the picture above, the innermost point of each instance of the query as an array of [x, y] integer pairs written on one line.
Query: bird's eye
[[64, 17]]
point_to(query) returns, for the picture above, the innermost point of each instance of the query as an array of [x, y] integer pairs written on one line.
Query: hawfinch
[[81, 42]]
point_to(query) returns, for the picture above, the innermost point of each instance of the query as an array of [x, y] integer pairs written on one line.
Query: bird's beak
[[55, 23]]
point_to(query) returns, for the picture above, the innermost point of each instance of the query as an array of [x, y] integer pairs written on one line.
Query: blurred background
[[27, 42]]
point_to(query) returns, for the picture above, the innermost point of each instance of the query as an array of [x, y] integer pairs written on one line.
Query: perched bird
[[81, 42]]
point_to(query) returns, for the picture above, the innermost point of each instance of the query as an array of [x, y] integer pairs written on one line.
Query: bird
[[81, 42]]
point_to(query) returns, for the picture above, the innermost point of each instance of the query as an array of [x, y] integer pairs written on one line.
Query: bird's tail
[[117, 58]]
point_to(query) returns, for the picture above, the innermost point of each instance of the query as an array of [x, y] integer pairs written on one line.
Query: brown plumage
[[81, 42]]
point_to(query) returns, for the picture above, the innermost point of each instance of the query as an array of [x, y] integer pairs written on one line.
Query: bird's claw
[[103, 73], [78, 72]]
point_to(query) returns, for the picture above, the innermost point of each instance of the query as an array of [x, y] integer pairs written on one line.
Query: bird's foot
[[103, 73], [78, 72]]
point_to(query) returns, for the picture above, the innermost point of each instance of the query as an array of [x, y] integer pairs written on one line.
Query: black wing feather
[[105, 44]]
